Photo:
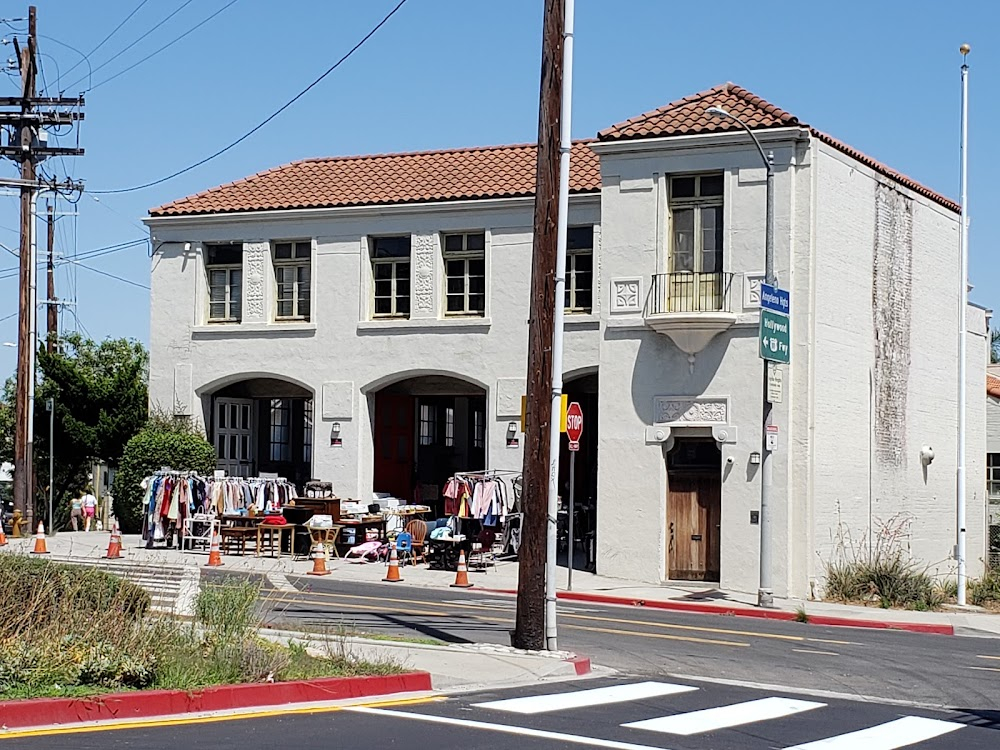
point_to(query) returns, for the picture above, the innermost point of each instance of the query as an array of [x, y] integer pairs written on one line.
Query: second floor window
[[224, 268], [580, 269], [291, 275], [696, 216], [391, 275], [465, 273]]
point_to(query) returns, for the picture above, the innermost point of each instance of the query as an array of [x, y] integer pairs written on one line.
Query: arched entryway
[[263, 426], [581, 388], [424, 429]]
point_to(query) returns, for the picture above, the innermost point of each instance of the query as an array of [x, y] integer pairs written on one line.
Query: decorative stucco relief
[[751, 289], [690, 411], [255, 267], [423, 273], [625, 295]]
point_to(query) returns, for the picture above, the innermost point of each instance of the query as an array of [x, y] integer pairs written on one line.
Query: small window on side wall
[[390, 257], [292, 271], [224, 269], [580, 270], [465, 274]]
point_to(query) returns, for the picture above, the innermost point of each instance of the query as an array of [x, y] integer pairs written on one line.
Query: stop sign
[[574, 425]]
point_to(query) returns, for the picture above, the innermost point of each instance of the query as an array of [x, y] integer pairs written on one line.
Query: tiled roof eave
[[178, 212]]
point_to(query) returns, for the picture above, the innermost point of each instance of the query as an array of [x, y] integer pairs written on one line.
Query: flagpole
[[962, 333]]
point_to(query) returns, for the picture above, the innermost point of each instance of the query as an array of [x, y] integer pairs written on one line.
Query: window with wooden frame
[[391, 276], [224, 269], [580, 269], [465, 274], [292, 270], [281, 422], [696, 203]]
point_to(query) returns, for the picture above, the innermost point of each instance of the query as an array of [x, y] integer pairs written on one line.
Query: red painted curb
[[22, 714], [762, 614]]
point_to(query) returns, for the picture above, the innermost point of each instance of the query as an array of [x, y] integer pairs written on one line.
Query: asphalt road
[[628, 714], [926, 669]]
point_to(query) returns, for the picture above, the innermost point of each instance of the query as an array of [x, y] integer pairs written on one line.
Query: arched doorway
[[263, 426], [583, 390], [424, 429]]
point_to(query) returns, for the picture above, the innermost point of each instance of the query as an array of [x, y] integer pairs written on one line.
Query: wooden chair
[[237, 535], [418, 533]]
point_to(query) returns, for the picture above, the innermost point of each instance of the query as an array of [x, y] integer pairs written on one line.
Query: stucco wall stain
[[891, 307]]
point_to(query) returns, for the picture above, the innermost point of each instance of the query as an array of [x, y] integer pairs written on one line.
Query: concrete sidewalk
[[692, 597]]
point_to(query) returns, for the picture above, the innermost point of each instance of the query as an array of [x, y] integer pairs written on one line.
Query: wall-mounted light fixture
[[512, 428], [755, 458], [336, 428]]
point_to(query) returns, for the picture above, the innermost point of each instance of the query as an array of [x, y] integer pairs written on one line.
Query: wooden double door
[[694, 520]]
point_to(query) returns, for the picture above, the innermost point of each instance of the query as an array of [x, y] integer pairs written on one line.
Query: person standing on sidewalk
[[76, 512], [89, 507]]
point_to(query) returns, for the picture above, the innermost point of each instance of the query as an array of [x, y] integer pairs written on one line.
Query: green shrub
[[889, 580], [228, 610], [985, 590], [162, 442], [39, 592]]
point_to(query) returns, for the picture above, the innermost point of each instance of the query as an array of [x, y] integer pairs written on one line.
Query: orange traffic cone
[[3, 537], [393, 575], [319, 560], [462, 575], [214, 556], [40, 548], [115, 545]]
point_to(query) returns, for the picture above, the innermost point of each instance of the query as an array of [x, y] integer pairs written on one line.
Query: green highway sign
[[774, 336]]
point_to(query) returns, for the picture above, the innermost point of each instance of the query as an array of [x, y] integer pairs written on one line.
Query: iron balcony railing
[[687, 292]]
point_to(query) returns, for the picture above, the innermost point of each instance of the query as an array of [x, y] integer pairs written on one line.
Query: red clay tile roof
[[687, 116], [491, 172], [993, 386], [383, 179]]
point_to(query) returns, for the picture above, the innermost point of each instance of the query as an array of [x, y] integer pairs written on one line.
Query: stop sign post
[[574, 425], [574, 430]]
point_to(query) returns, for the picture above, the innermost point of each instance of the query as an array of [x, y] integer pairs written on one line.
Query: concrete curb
[[25, 714], [763, 614], [576, 664]]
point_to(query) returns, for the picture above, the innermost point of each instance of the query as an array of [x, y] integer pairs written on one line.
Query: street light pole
[[50, 406], [765, 590], [962, 333]]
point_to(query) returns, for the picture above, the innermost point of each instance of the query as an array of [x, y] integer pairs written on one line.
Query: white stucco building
[[364, 320]]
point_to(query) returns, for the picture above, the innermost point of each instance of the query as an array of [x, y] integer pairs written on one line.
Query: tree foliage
[[100, 397], [163, 442]]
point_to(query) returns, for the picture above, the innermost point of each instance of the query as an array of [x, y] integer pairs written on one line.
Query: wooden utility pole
[[529, 629], [52, 317], [22, 114], [23, 469]]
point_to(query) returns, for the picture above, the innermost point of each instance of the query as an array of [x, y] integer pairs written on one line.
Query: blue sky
[[882, 76]]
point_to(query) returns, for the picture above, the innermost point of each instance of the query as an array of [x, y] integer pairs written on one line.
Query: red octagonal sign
[[574, 425]]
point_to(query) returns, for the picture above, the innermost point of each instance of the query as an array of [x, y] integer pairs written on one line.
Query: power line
[[83, 57], [168, 44], [113, 32], [122, 52], [109, 275], [7, 273], [264, 122]]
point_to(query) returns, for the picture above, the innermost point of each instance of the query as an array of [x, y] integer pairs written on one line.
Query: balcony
[[691, 308]]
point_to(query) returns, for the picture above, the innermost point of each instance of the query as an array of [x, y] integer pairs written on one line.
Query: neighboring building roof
[[384, 179], [687, 116], [993, 386], [493, 171]]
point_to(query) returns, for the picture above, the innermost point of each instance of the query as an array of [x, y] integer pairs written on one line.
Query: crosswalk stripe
[[722, 717], [537, 704], [894, 734]]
